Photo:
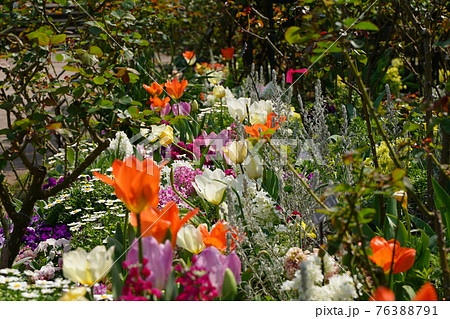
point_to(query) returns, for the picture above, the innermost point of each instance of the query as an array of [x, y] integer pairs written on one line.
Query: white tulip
[[253, 167], [191, 239], [236, 151], [238, 108], [87, 268], [259, 111], [212, 185], [219, 91]]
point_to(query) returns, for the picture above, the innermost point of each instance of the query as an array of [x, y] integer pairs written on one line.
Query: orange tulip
[[189, 56], [159, 104], [387, 253], [256, 129], [157, 223], [383, 294], [426, 293], [227, 53], [175, 88], [155, 89], [136, 183], [218, 236]]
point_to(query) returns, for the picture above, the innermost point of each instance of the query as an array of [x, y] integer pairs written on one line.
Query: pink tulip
[[159, 258], [216, 264], [182, 108]]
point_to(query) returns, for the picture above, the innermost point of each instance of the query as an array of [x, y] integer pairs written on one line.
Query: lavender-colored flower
[[216, 264], [182, 108], [159, 258]]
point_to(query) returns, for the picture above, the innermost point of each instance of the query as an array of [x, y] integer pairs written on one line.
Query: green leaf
[[366, 25], [442, 203], [106, 104], [398, 174], [70, 156], [271, 183], [99, 80], [392, 227], [292, 35], [77, 92], [58, 38], [62, 90], [348, 22], [366, 215], [128, 4], [408, 292], [70, 68], [88, 59], [119, 234], [59, 57], [96, 51], [61, 2], [170, 292], [41, 37], [125, 100]]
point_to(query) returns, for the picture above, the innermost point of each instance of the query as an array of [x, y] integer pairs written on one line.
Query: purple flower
[[182, 108], [216, 264], [159, 258]]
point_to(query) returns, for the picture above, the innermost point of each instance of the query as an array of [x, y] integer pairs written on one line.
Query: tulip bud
[[219, 91], [194, 105], [402, 197], [253, 167], [236, 151]]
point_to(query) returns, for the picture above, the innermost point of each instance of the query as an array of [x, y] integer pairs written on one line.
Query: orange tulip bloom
[[159, 104], [155, 89], [387, 253], [175, 88], [218, 236], [136, 183], [189, 56], [227, 53], [157, 223], [426, 293], [256, 129]]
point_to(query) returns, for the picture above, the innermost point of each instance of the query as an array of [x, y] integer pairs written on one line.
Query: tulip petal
[[426, 293]]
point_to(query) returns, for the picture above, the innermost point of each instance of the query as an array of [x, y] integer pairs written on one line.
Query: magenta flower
[[159, 258], [182, 108], [216, 264]]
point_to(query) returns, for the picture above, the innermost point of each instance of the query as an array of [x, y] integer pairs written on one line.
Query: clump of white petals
[[121, 145], [308, 281]]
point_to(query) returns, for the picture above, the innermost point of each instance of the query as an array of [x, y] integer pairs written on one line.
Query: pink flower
[[159, 258], [182, 108], [216, 264]]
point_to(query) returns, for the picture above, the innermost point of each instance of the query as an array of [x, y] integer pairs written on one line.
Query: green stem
[[125, 229], [368, 104], [302, 180], [141, 258]]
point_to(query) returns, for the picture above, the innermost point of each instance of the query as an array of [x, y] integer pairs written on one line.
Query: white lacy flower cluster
[[262, 205], [121, 145], [309, 278]]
